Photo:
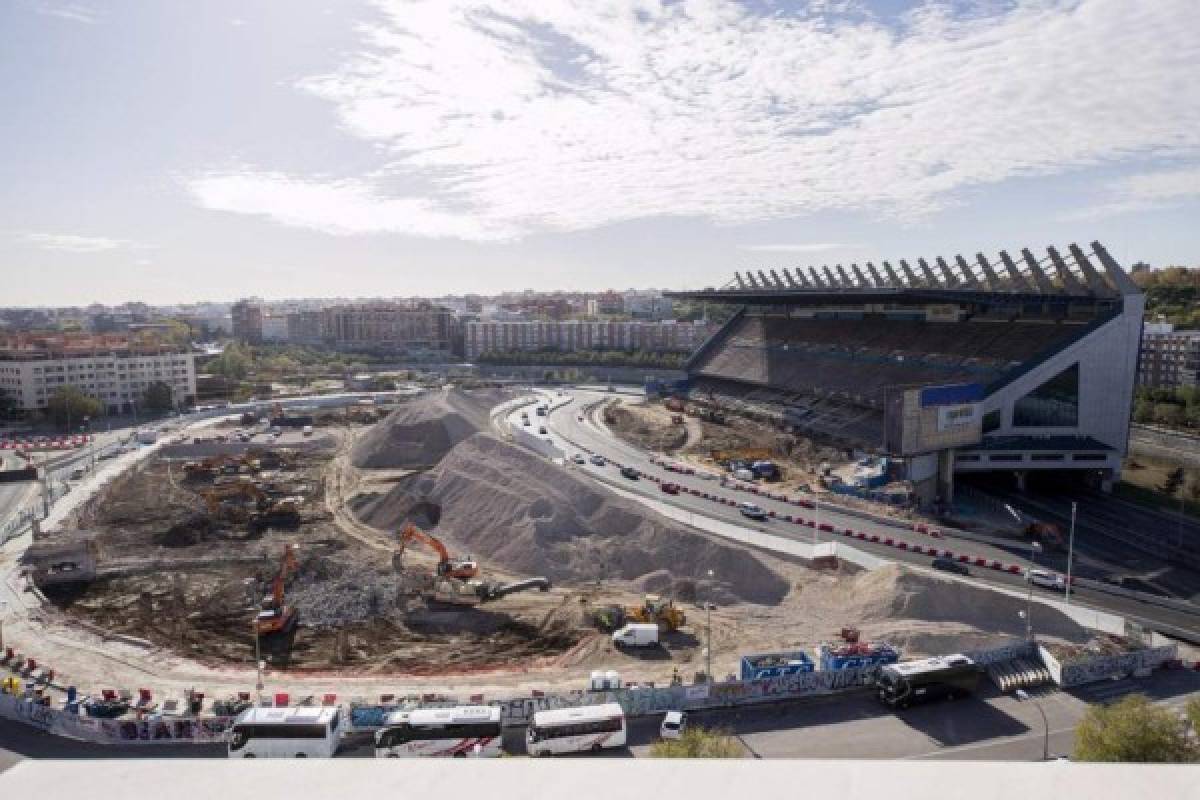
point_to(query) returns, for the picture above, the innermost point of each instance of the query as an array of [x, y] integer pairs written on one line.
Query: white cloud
[[1147, 191], [800, 247], [237, 22], [71, 12], [68, 243], [528, 116]]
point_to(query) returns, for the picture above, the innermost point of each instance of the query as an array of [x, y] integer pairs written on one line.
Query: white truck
[[636, 634]]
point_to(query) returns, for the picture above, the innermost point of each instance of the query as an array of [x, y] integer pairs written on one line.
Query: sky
[[169, 151]]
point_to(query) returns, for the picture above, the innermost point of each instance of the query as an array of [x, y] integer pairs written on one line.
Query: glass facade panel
[[1054, 404]]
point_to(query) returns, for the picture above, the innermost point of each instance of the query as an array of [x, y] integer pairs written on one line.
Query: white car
[[752, 511], [673, 725], [1046, 579]]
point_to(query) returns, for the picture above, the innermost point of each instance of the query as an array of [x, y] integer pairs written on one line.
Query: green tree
[[698, 742], [8, 403], [68, 406], [1173, 482], [234, 362], [158, 397], [1133, 730]]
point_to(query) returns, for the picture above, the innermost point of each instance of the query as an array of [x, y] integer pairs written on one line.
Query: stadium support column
[[946, 476]]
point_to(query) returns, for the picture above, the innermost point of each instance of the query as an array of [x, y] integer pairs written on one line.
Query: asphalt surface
[[565, 426]]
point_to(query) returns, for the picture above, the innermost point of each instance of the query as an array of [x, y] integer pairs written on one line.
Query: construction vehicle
[[265, 510], [221, 464], [659, 610], [607, 618], [461, 569], [1047, 534], [276, 616], [673, 404]]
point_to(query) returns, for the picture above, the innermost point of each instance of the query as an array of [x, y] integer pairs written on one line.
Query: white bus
[[465, 731], [286, 733], [575, 730]]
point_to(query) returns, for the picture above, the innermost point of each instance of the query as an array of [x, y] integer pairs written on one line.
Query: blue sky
[[178, 151]]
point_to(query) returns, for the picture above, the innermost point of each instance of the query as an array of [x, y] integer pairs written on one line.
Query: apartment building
[[116, 368], [570, 335], [419, 330], [1169, 358], [247, 318], [304, 327]]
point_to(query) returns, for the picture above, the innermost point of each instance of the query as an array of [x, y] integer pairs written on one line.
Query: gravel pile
[[507, 505], [421, 432], [330, 595]]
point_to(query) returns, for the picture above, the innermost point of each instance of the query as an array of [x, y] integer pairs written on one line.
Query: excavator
[[283, 511], [276, 616], [462, 569], [456, 581]]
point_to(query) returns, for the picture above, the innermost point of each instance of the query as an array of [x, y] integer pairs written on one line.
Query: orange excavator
[[461, 569], [276, 615]]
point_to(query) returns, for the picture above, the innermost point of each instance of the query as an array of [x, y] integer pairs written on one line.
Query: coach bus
[[286, 733], [576, 730], [910, 682], [465, 731]]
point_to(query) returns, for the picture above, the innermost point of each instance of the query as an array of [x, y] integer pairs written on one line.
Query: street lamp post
[[1070, 554], [816, 517], [1034, 547], [1024, 695], [708, 633]]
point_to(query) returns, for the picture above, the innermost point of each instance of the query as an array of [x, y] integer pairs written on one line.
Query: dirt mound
[[534, 517], [893, 593], [422, 431]]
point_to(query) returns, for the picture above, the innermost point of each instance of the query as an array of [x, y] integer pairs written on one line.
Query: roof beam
[[741, 282], [833, 281], [969, 276], [879, 281], [928, 273], [1118, 276], [791, 282], [1069, 281], [891, 273], [816, 278], [762, 278], [908, 273], [775, 277], [1035, 269], [992, 278], [858, 273], [951, 278], [1095, 280], [1020, 282], [844, 276]]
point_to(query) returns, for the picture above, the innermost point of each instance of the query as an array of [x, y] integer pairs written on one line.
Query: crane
[[276, 615], [458, 568]]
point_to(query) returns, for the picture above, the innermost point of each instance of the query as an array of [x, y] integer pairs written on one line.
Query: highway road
[[565, 426]]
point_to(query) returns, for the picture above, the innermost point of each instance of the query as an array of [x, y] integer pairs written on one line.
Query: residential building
[[114, 368], [1169, 358], [274, 328], [605, 303], [304, 327], [571, 335], [247, 321], [648, 305], [419, 330]]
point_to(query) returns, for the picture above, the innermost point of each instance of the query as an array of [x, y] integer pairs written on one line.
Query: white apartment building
[[116, 376]]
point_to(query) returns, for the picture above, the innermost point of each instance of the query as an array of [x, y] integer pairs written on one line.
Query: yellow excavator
[[658, 610]]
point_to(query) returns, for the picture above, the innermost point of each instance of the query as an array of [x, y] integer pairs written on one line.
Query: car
[[542, 430], [631, 473], [525, 421], [752, 511], [78, 473], [578, 458], [673, 725], [579, 417], [1046, 579], [598, 460], [670, 488], [950, 565], [107, 454]]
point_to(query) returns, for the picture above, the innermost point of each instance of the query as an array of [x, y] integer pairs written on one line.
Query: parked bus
[[286, 733], [575, 730], [909, 682], [459, 732]]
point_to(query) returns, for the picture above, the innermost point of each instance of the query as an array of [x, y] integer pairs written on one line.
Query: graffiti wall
[[1079, 671], [113, 731]]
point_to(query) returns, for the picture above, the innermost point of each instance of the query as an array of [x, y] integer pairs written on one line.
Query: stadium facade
[[1016, 364]]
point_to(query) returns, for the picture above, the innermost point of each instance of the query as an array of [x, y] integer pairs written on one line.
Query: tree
[[8, 403], [158, 397], [234, 363], [68, 406], [1133, 730], [698, 742], [1173, 482]]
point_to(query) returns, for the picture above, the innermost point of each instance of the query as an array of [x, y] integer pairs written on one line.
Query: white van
[[636, 634], [286, 733], [462, 732], [308, 430], [576, 730]]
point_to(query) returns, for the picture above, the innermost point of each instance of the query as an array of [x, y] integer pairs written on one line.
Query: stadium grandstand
[[1012, 364]]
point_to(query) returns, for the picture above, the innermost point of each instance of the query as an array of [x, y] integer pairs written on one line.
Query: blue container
[[875, 656], [774, 665]]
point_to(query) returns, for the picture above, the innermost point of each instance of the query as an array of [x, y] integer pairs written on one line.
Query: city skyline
[[171, 155]]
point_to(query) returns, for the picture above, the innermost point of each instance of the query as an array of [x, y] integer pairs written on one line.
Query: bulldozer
[[276, 616], [659, 610]]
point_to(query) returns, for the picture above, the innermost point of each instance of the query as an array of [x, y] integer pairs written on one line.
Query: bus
[[286, 733], [465, 731], [575, 730], [909, 682]]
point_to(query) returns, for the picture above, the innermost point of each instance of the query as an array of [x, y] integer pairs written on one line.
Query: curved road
[[570, 432]]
